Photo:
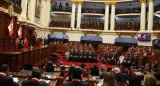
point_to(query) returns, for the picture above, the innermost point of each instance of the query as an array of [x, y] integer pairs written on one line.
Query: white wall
[[107, 37]]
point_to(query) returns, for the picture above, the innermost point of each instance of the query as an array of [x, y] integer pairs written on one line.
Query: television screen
[[144, 37]]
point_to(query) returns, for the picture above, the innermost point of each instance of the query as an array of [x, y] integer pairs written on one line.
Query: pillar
[[143, 15], [48, 12], [31, 9], [42, 13], [24, 9], [106, 21], [79, 14], [73, 14], [150, 15], [112, 16]]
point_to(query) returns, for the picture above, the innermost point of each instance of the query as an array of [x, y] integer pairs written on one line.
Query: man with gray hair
[[119, 77]]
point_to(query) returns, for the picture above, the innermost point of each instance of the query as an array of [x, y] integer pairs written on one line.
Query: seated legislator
[[80, 55], [94, 56], [150, 80], [76, 78], [4, 79], [119, 77], [21, 45], [36, 74], [26, 43], [90, 56], [76, 58], [94, 70], [85, 56], [83, 65], [49, 67], [71, 55], [69, 73]]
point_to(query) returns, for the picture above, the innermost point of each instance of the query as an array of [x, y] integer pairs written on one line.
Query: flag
[[20, 32], [10, 27]]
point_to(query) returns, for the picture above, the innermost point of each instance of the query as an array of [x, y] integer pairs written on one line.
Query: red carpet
[[88, 65]]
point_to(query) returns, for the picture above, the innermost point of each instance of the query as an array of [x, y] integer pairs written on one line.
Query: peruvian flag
[[10, 27], [20, 32]]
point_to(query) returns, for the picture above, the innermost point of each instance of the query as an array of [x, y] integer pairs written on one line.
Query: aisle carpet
[[88, 65]]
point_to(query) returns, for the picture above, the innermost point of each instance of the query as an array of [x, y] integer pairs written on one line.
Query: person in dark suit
[[76, 79], [83, 65], [71, 55], [85, 56], [36, 74], [123, 70], [94, 59], [119, 77], [90, 56], [21, 45], [34, 39], [94, 70], [80, 55], [76, 58], [49, 67], [4, 79]]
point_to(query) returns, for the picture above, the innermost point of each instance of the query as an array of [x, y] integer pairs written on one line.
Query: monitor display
[[144, 37]]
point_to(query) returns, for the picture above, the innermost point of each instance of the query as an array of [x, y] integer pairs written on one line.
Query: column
[[42, 13], [143, 15], [112, 16], [31, 9], [79, 14], [106, 21], [73, 14], [150, 15], [48, 12], [24, 9]]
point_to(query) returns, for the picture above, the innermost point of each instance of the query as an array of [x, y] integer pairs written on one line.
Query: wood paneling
[[8, 43]]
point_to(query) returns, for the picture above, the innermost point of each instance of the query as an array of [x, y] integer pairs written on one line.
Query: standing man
[[34, 38]]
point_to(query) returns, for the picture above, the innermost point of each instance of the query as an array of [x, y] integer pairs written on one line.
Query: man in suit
[[94, 70], [85, 56], [34, 39], [119, 77], [21, 45], [80, 55], [71, 55], [36, 74], [4, 79], [76, 78], [90, 56], [49, 67], [76, 58], [94, 56], [123, 70]]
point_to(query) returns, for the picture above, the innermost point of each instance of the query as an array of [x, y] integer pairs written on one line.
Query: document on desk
[[15, 79], [100, 83], [138, 73]]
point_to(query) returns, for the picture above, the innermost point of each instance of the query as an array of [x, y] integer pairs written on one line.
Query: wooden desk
[[17, 59]]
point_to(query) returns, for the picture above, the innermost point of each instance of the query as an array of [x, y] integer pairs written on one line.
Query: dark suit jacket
[[49, 68], [75, 84], [85, 54], [80, 54], [20, 46], [121, 77], [32, 83], [7, 81], [124, 71]]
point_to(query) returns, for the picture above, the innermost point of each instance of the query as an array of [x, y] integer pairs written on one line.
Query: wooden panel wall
[[7, 43]]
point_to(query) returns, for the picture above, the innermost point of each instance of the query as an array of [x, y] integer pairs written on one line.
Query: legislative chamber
[[80, 42]]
